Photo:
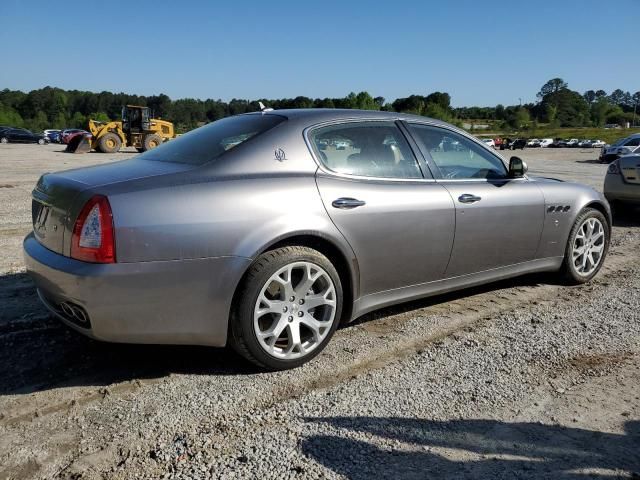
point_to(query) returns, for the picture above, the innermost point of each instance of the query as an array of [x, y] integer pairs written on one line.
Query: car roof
[[319, 115]]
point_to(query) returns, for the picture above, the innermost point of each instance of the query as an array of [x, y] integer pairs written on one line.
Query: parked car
[[518, 143], [189, 243], [597, 144], [21, 135], [558, 143], [622, 181], [584, 143], [572, 143], [620, 147], [533, 143], [53, 135], [70, 133], [489, 142], [546, 142]]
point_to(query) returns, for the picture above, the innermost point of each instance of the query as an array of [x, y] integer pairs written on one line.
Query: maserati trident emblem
[[280, 156]]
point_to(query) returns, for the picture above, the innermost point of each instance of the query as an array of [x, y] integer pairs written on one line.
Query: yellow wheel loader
[[136, 129]]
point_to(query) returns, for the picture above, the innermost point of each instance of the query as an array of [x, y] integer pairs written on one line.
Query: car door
[[22, 135], [397, 219], [498, 219]]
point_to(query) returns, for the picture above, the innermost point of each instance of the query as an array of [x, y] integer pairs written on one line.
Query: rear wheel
[[41, 141], [152, 141], [109, 143], [287, 309], [587, 246], [4, 140]]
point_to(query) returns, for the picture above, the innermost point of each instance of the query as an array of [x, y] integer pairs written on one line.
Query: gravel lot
[[518, 379]]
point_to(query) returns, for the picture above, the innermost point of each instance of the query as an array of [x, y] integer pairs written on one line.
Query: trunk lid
[[55, 195], [630, 168]]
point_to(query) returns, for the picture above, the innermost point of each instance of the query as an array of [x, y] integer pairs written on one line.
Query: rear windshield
[[207, 143]]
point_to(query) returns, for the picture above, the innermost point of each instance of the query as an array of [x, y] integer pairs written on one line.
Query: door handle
[[468, 198], [346, 203]]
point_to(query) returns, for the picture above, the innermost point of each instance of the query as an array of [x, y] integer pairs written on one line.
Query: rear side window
[[207, 143], [634, 142], [367, 149]]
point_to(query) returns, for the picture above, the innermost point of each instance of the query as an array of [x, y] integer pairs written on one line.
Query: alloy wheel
[[295, 310], [588, 246]]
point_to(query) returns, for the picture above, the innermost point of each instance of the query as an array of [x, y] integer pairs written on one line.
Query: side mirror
[[517, 167]]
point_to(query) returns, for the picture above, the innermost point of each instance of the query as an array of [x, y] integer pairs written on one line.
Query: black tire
[[242, 336], [568, 269], [152, 141], [109, 143]]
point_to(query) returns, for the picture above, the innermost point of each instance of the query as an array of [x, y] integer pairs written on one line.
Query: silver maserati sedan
[[267, 230]]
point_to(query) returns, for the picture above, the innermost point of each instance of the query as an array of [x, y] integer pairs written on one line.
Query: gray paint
[[186, 235]]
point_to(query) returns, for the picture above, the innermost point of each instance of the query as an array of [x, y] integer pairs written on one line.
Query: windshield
[[207, 143]]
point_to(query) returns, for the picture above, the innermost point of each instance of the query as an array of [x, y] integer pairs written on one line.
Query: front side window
[[456, 156], [367, 149], [634, 142], [207, 143]]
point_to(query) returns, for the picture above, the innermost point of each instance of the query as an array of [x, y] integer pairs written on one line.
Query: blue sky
[[481, 52]]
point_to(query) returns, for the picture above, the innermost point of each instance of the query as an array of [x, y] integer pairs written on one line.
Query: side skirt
[[374, 301]]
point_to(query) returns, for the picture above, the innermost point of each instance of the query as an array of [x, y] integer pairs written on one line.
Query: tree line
[[557, 105]]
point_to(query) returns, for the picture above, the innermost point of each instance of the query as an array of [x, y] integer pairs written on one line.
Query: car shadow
[[589, 161], [371, 447]]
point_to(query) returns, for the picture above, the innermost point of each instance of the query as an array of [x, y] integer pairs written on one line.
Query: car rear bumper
[[616, 189], [174, 302]]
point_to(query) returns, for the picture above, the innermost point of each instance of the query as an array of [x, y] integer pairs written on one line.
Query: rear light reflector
[[93, 235]]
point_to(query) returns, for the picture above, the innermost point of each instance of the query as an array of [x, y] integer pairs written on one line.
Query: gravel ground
[[519, 379]]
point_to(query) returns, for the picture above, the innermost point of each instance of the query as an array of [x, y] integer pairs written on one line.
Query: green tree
[[552, 86]]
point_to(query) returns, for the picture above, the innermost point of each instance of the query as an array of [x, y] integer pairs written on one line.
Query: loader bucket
[[79, 144]]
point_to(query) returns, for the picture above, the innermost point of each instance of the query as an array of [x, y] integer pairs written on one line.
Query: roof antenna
[[263, 108]]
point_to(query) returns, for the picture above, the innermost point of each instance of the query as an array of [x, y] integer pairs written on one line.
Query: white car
[[489, 142], [597, 144], [534, 142], [572, 143], [545, 142], [622, 146]]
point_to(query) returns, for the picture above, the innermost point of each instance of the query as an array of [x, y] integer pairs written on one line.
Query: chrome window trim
[[346, 176]]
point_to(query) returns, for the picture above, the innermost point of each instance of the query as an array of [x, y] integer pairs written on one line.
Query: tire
[[569, 270], [109, 143], [41, 141], [152, 141], [4, 140], [281, 352]]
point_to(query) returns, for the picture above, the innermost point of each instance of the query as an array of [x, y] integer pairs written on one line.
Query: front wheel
[[287, 308], [587, 246], [41, 141], [4, 140]]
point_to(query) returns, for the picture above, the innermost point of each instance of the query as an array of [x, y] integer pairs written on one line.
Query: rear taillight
[[93, 236]]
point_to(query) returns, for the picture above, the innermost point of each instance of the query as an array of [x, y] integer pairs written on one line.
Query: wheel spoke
[[269, 306], [271, 336], [313, 324], [284, 279], [597, 248], [313, 301], [294, 338], [307, 281]]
